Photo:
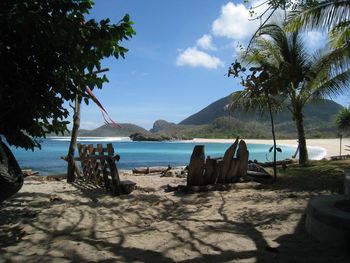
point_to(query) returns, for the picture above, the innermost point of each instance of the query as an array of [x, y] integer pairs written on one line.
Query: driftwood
[[150, 170], [242, 157], [221, 170], [227, 165], [340, 157], [212, 170], [29, 172], [196, 166]]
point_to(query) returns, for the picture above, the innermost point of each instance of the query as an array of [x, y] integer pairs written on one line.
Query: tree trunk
[[273, 137], [73, 142], [11, 176], [303, 155]]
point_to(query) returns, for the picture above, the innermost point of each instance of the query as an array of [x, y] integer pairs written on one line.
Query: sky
[[177, 61]]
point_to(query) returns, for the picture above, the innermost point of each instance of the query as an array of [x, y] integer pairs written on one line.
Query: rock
[[139, 137], [55, 198], [161, 125], [170, 173], [127, 186]]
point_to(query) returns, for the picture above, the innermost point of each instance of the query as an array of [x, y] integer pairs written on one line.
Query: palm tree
[[300, 77], [332, 16], [258, 96]]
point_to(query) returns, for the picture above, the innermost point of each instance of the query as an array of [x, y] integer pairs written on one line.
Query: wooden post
[[116, 186]]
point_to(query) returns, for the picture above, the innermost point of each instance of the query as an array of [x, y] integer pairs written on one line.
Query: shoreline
[[330, 146], [323, 148]]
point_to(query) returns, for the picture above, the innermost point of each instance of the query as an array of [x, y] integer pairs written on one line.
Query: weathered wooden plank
[[226, 161], [196, 167], [212, 170], [110, 149], [243, 157]]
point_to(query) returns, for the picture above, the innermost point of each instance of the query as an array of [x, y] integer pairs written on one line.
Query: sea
[[141, 154]]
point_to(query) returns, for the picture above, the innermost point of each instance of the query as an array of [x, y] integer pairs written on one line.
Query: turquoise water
[[138, 154]]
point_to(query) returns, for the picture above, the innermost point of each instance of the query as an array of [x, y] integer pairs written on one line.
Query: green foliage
[[333, 17], [48, 54], [343, 119], [292, 75]]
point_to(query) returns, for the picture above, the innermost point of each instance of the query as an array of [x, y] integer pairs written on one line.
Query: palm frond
[[332, 87], [324, 15], [340, 34], [249, 102]]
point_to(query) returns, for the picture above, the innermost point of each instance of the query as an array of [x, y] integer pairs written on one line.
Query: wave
[[315, 152], [322, 152]]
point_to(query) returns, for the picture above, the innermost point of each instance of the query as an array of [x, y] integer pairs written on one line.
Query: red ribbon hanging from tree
[[105, 115]]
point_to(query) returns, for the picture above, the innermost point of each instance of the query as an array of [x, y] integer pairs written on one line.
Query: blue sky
[[177, 61]]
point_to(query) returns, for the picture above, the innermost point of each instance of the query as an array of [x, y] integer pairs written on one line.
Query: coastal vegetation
[[280, 58], [50, 54], [62, 50], [216, 121]]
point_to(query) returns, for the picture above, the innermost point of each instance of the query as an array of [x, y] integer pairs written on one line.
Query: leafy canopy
[[343, 119], [48, 54]]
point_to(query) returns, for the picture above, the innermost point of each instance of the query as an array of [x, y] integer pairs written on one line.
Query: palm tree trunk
[[73, 142], [303, 155]]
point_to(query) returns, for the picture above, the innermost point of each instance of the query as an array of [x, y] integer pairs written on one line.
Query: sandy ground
[[331, 146], [58, 222]]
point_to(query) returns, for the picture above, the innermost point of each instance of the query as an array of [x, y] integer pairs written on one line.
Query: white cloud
[[206, 42], [314, 36], [234, 23], [315, 39], [196, 58]]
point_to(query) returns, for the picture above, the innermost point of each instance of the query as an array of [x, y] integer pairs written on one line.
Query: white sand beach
[[331, 146], [53, 221]]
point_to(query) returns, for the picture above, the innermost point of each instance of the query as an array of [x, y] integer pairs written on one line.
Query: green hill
[[324, 111], [214, 121], [110, 130]]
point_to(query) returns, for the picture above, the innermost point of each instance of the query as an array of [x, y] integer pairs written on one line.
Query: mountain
[[323, 111], [110, 130], [214, 121], [161, 125], [209, 113]]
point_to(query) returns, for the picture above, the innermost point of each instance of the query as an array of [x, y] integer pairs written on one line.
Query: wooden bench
[[99, 168]]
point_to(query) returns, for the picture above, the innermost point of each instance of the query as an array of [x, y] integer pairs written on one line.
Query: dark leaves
[[47, 50]]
